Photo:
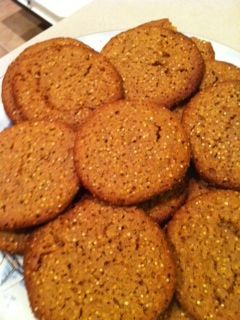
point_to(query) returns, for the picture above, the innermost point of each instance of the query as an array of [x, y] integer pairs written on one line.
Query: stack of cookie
[[96, 186]]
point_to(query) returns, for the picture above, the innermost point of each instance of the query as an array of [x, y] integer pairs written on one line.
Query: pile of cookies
[[120, 177]]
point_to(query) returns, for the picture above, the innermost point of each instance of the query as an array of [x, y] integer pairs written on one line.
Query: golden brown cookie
[[13, 242], [38, 178], [12, 110], [218, 71], [206, 244], [162, 207], [130, 151], [207, 53], [212, 121], [174, 312], [62, 82], [205, 48], [156, 64], [99, 262]]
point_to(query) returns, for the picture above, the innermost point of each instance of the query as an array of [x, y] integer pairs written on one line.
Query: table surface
[[217, 20]]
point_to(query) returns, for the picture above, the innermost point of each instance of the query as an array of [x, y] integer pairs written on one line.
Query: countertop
[[217, 20]]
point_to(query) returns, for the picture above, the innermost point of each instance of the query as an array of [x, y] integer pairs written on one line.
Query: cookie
[[14, 113], [212, 121], [174, 312], [45, 90], [204, 235], [39, 179], [156, 64], [12, 110], [131, 151], [218, 71], [205, 48], [99, 262], [162, 207], [13, 242], [207, 53]]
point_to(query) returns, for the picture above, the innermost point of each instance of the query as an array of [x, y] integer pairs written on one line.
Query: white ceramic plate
[[13, 297]]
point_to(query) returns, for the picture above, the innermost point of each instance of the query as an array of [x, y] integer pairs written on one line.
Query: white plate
[[13, 297]]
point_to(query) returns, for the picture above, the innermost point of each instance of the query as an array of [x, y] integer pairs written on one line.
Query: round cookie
[[39, 178], [131, 151], [204, 235], [62, 82], [162, 207], [99, 262], [218, 71], [203, 46], [212, 121], [156, 64], [174, 312], [13, 242], [12, 110]]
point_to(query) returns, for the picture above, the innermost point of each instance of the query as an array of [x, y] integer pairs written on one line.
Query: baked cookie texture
[[156, 64], [204, 235], [215, 72], [12, 110], [39, 178], [131, 151], [58, 80], [99, 261], [13, 242], [205, 48], [218, 71], [212, 121]]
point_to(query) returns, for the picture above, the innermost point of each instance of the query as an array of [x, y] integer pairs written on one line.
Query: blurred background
[[17, 25], [21, 20]]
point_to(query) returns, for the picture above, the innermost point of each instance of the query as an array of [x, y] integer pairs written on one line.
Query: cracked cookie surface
[[59, 80], [39, 178], [99, 262], [12, 109], [212, 122], [156, 64], [130, 151], [205, 237], [218, 71]]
